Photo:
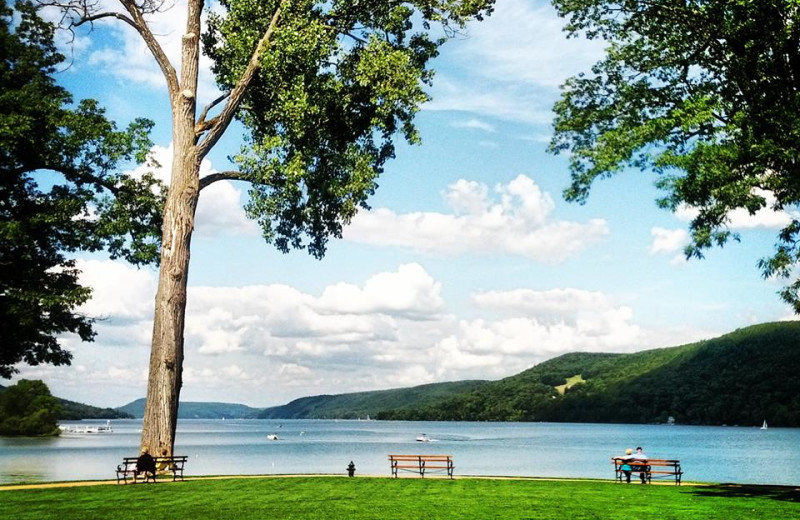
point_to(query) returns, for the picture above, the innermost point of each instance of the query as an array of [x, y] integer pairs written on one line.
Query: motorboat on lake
[[272, 437], [423, 438]]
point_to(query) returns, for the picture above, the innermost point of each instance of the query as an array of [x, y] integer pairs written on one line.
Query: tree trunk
[[166, 355]]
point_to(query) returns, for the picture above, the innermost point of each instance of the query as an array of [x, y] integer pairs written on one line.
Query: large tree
[[59, 193], [704, 92], [321, 88]]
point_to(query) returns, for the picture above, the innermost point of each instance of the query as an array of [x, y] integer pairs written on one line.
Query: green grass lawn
[[407, 499]]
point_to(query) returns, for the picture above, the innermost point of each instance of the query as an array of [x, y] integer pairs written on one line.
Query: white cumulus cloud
[[266, 344], [539, 325], [668, 240], [516, 221], [409, 292], [118, 290]]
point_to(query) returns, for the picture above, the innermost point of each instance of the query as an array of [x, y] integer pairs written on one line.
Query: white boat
[[87, 430], [272, 437], [764, 426], [423, 438]]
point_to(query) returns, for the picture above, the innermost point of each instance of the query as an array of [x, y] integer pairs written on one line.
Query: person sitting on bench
[[145, 464], [640, 456]]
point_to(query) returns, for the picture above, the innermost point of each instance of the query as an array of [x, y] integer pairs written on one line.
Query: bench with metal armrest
[[422, 464], [164, 465], [651, 468]]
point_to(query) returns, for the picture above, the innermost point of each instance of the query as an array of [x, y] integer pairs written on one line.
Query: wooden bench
[[164, 466], [652, 468], [422, 464]]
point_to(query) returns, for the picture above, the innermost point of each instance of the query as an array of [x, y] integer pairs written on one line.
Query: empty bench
[[422, 464], [164, 466], [652, 469]]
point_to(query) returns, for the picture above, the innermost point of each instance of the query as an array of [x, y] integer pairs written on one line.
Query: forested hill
[[743, 378], [363, 404], [70, 410]]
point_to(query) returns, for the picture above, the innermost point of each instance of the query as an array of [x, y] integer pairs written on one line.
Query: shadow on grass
[[782, 493]]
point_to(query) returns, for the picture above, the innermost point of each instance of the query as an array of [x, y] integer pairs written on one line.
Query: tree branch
[[222, 176], [71, 175], [202, 125], [211, 105], [140, 24], [98, 16], [237, 94]]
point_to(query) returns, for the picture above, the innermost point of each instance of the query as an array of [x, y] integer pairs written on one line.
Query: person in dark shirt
[[145, 464]]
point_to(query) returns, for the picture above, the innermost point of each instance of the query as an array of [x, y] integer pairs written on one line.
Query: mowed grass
[[407, 499]]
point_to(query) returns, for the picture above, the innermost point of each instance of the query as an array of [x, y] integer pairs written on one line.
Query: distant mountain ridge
[[195, 410], [341, 406], [365, 404]]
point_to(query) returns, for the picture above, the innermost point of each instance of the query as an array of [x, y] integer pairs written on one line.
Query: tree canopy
[[704, 92], [337, 82], [28, 408], [60, 193]]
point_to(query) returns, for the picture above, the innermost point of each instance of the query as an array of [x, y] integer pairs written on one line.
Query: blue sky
[[470, 264]]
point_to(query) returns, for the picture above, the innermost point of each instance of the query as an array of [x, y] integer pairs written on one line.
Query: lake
[[218, 447]]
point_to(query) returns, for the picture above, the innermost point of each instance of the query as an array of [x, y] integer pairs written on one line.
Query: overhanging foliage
[[704, 92]]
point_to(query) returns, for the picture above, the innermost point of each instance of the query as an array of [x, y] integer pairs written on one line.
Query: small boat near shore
[[272, 437], [423, 438], [87, 430]]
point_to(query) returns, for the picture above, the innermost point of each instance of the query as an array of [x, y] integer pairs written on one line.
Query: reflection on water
[[214, 447]]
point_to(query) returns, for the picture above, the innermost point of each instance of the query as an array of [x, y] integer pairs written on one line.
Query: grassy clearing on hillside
[[571, 381], [406, 499]]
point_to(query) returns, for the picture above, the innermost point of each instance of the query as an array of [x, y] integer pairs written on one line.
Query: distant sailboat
[[764, 426]]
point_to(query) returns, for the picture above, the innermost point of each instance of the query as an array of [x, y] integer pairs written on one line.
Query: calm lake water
[[216, 447]]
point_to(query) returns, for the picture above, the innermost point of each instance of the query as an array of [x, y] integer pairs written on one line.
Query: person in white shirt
[[639, 455]]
